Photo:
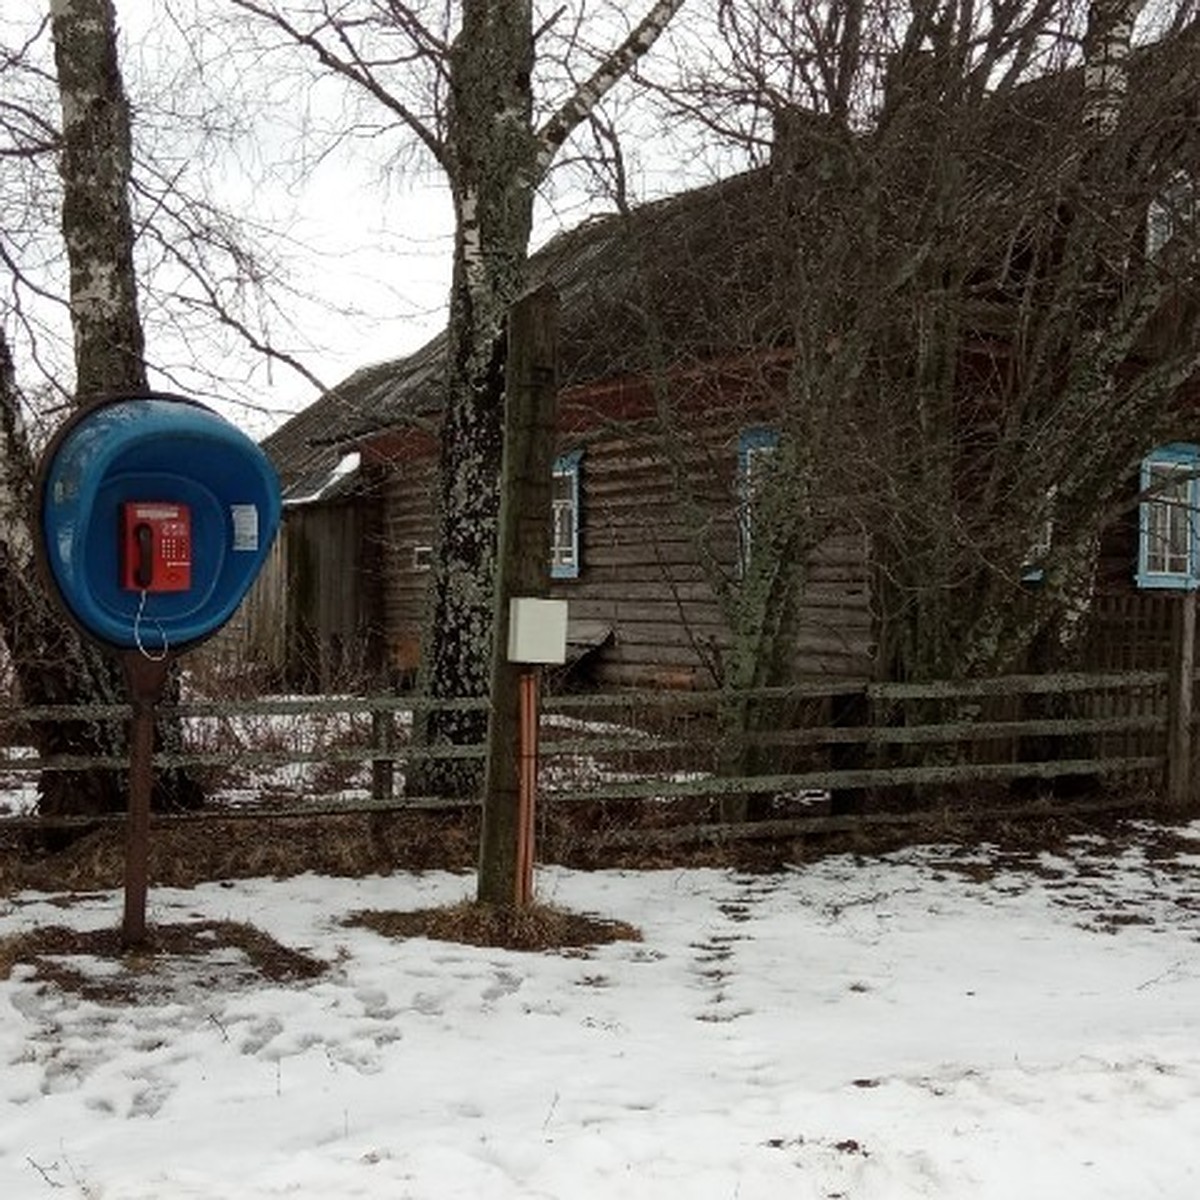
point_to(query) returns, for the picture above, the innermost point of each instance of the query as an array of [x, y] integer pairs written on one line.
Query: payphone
[[155, 516], [156, 546]]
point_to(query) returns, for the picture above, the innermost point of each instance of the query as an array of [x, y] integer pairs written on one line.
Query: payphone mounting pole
[[146, 678]]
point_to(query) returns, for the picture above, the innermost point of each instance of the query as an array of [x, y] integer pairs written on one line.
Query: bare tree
[[51, 663], [97, 224], [462, 79], [959, 238], [214, 281], [95, 163], [1072, 385], [965, 343]]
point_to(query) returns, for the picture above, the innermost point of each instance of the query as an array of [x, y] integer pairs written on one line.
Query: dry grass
[[534, 927], [50, 949], [185, 853]]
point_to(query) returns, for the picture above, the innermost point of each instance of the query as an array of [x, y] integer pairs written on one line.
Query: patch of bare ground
[[61, 956], [634, 835], [537, 927]]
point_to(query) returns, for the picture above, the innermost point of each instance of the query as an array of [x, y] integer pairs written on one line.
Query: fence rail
[[308, 755]]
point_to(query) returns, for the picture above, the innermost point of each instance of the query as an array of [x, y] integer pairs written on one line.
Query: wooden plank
[[523, 557], [1179, 703], [653, 655], [800, 827], [865, 778], [638, 590], [854, 640], [241, 757], [612, 671], [1014, 685], [967, 731]]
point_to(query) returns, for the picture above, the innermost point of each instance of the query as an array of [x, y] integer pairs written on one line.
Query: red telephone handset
[[156, 546]]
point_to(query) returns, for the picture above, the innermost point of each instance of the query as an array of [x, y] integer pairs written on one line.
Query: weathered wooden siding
[[312, 619], [252, 646], [641, 575], [256, 631], [1129, 628], [837, 626], [331, 619], [1130, 631], [405, 491]]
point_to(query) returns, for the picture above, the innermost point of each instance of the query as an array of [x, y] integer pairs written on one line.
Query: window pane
[[564, 548], [563, 554], [1169, 518]]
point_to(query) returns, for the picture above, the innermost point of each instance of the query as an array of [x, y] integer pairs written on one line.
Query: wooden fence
[[904, 746]]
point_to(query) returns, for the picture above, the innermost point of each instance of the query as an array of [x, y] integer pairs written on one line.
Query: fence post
[[383, 769], [1179, 702]]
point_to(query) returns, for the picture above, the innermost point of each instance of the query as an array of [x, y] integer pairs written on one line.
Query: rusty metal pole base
[[146, 678], [527, 762]]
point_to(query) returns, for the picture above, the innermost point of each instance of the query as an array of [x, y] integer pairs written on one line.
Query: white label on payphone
[[245, 526]]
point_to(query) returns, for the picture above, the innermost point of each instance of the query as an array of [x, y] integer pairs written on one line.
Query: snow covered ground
[[929, 1024]]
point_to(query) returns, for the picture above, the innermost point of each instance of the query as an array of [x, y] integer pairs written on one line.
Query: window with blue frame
[[1168, 524], [564, 546], [756, 452]]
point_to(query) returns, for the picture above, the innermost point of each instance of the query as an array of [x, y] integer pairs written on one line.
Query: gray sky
[[363, 232]]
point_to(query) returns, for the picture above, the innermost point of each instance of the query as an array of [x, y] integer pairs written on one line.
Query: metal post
[[527, 758], [146, 678]]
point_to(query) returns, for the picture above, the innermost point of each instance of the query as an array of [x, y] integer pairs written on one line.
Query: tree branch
[[213, 302], [588, 94], [355, 69]]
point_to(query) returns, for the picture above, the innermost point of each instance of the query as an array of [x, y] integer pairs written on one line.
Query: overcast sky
[[363, 231], [366, 244]]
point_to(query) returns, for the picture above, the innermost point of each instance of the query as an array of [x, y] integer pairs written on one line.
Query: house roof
[[308, 449], [686, 279], [617, 278]]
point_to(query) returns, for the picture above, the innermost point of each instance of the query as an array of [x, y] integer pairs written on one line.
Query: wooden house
[[677, 339], [358, 469]]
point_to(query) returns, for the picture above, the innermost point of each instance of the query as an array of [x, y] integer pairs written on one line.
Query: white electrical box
[[537, 630]]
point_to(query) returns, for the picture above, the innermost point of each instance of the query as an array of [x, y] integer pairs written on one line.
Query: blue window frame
[[1169, 518], [756, 451], [564, 545]]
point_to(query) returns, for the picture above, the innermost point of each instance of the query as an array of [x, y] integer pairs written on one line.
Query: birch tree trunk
[[1107, 46], [95, 165], [494, 159], [54, 664], [51, 664], [492, 152]]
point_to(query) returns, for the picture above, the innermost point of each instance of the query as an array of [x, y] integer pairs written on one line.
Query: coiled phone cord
[[137, 632]]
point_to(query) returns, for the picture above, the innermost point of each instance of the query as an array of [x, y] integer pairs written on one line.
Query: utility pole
[[523, 569]]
